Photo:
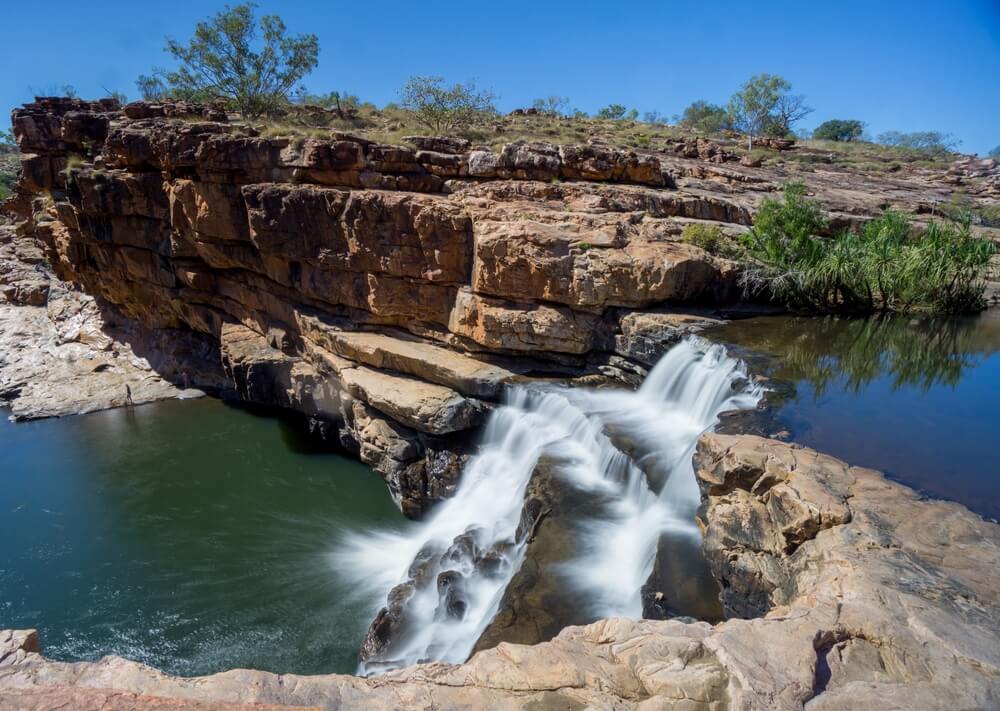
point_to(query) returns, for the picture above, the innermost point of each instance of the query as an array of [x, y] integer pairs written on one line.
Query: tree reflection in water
[[851, 353]]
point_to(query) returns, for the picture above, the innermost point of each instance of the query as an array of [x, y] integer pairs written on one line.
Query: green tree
[[755, 107], [552, 105], [839, 130], [615, 112], [706, 117], [442, 108], [252, 64]]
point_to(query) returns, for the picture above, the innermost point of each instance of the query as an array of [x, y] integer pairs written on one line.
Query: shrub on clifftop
[[232, 56], [932, 142], [441, 108], [703, 116], [764, 106]]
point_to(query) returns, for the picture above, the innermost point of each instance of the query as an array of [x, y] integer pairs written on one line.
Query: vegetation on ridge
[[225, 60], [839, 130], [763, 106], [10, 161], [889, 265], [442, 108]]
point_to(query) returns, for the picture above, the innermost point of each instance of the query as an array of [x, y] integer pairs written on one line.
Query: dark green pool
[[917, 398], [192, 536]]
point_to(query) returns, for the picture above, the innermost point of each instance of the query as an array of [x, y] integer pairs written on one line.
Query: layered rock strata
[[64, 352], [866, 596], [388, 292]]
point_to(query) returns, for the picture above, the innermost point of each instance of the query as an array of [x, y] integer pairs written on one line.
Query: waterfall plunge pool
[[192, 536], [197, 537]]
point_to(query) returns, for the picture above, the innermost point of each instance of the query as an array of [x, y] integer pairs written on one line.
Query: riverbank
[[913, 397], [63, 352]]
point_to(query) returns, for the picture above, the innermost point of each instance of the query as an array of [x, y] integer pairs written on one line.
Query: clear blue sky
[[895, 64]]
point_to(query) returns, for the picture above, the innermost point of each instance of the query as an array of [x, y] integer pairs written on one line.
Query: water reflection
[[915, 398], [851, 353]]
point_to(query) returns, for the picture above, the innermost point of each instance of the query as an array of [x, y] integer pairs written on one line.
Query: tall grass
[[890, 265]]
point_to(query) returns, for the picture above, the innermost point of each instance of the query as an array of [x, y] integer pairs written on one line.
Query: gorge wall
[[385, 291]]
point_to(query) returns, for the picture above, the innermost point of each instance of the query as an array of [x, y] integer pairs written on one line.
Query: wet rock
[[389, 624], [538, 601], [462, 552], [646, 336], [452, 594]]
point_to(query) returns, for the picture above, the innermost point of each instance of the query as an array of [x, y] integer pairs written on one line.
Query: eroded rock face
[[414, 279], [361, 284], [871, 598], [63, 352]]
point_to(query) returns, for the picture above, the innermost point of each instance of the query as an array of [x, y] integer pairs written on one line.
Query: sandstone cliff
[[867, 596], [383, 290], [388, 292]]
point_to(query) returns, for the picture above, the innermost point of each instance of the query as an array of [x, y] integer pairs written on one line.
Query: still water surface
[[916, 398], [192, 536]]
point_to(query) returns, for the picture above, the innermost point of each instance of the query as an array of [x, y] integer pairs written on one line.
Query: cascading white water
[[680, 399]]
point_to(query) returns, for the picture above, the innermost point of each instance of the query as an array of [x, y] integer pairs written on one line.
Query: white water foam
[[681, 398]]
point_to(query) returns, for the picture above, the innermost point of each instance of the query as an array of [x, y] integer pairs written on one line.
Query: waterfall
[[449, 572]]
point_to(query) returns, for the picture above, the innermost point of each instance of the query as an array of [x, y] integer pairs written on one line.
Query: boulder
[[587, 262], [438, 144], [423, 406], [512, 326]]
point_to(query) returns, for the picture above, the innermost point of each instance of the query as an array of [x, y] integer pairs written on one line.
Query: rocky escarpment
[[63, 352], [388, 292], [868, 596]]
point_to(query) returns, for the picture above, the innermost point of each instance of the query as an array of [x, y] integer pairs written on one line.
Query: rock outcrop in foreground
[[869, 598]]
